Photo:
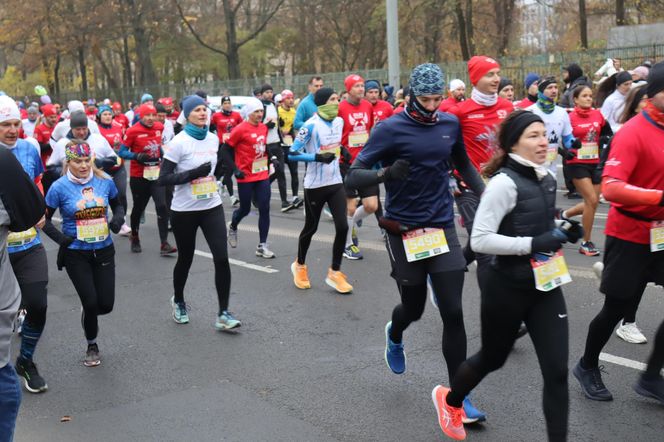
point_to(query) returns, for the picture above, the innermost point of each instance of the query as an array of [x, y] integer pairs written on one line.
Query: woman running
[[83, 196], [188, 164], [589, 126], [417, 147], [319, 143], [515, 222]]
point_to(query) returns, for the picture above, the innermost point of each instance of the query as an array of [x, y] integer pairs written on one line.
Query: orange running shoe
[[449, 418], [337, 281], [300, 277]]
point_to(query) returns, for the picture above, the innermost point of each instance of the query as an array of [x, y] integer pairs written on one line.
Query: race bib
[[288, 140], [550, 271], [424, 243], [259, 165], [17, 239], [588, 151], [335, 148], [657, 236], [92, 230], [357, 138], [551, 153], [225, 137], [203, 188], [151, 173]]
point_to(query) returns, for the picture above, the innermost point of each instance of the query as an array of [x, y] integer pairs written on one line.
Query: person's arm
[[619, 191], [21, 198], [168, 176], [297, 151], [300, 114], [465, 168], [126, 153]]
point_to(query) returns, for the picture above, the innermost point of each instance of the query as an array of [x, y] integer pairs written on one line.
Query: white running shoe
[[264, 252], [125, 230], [598, 268], [629, 332]]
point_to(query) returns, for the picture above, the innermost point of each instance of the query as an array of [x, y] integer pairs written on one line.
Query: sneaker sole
[[226, 328], [589, 253], [287, 209], [33, 390], [354, 258], [259, 254], [586, 393], [331, 283], [92, 364], [301, 287], [168, 253], [629, 340], [173, 315], [645, 393], [435, 405], [387, 326]]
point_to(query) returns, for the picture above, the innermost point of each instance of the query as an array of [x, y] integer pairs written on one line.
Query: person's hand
[[547, 242], [397, 171], [576, 144], [573, 230], [238, 174], [143, 157], [270, 124], [566, 154], [66, 241], [346, 155], [202, 170], [41, 222], [326, 157], [116, 223]]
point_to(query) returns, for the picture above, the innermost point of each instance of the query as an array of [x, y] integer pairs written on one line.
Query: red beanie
[[479, 65], [352, 80], [48, 110], [146, 109]]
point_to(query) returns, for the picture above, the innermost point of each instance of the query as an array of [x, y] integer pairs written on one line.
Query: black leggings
[[504, 307], [467, 204], [292, 168], [274, 150], [212, 223], [448, 287], [601, 327], [656, 360], [141, 191], [633, 306], [31, 270], [314, 201], [93, 274]]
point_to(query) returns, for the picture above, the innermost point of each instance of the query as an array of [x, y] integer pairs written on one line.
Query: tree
[[620, 13], [466, 31], [583, 24]]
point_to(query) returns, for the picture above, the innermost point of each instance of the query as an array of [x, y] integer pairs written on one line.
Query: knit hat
[[201, 93], [545, 82], [623, 77], [322, 95], [48, 110], [456, 84], [252, 105], [504, 82], [641, 71], [656, 80], [530, 79], [190, 103], [161, 109], [74, 106], [146, 97], [479, 65], [8, 109], [77, 150], [351, 81], [104, 108], [146, 109], [225, 99], [287, 93], [33, 108], [266, 87], [116, 106], [78, 119], [427, 79], [256, 91], [166, 101], [371, 84]]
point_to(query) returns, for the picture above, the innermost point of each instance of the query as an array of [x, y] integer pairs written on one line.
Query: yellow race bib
[[551, 153], [550, 271], [657, 236], [358, 138], [151, 173], [259, 165], [17, 239], [92, 230], [335, 148], [203, 188], [424, 243], [588, 151], [288, 140]]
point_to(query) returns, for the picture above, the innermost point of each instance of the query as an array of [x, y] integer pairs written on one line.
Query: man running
[[307, 107], [287, 113], [457, 94], [225, 121], [274, 150], [382, 110], [530, 83]]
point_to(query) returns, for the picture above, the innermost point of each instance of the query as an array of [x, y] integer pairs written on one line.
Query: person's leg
[[103, 272], [548, 328], [633, 304], [10, 401], [158, 194], [34, 300], [244, 192], [313, 201], [213, 225], [262, 196], [413, 299], [600, 329], [292, 169], [369, 206], [79, 266], [337, 204], [590, 194], [228, 180], [351, 207], [140, 193], [185, 225], [275, 150], [656, 360]]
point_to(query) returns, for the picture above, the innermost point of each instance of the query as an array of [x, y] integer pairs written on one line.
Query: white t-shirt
[[189, 153], [61, 130], [169, 132], [613, 108], [28, 126], [98, 144], [557, 126], [272, 115]]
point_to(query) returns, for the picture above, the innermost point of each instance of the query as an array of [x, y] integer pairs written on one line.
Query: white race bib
[[551, 272], [424, 243]]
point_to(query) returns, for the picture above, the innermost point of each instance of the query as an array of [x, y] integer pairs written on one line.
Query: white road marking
[[239, 263], [606, 357]]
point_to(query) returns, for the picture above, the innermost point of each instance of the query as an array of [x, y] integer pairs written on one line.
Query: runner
[[357, 114], [162, 117], [61, 129], [190, 159], [589, 126], [83, 195], [225, 120], [530, 82], [506, 89], [573, 78], [245, 153], [31, 122], [91, 109], [515, 222], [319, 144], [457, 94], [632, 181], [287, 133], [43, 131], [307, 107], [613, 105], [142, 144], [119, 117], [171, 113], [382, 110], [274, 150], [415, 147]]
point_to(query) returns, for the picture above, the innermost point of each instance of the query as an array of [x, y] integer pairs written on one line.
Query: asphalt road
[[306, 365]]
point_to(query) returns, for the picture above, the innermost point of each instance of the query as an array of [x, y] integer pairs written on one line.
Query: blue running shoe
[[352, 252], [471, 414], [395, 357], [226, 321], [180, 314]]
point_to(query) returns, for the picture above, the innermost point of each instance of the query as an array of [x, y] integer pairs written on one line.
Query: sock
[[349, 236], [29, 340], [360, 214], [92, 341]]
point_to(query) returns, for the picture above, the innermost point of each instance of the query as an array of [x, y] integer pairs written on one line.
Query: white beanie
[[8, 109], [252, 105], [74, 106], [456, 84]]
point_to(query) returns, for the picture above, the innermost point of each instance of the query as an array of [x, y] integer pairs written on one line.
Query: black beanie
[[622, 77], [504, 82], [322, 95], [78, 119], [201, 93], [266, 87], [545, 82], [160, 108], [656, 79]]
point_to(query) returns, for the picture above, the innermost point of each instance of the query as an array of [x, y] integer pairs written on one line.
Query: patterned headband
[[80, 150]]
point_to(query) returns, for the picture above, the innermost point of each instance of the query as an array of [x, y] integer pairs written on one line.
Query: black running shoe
[[591, 383], [653, 388], [135, 244], [32, 380], [92, 358]]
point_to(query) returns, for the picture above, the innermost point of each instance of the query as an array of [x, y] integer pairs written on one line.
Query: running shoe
[[337, 281], [353, 252], [297, 202], [327, 212], [395, 357], [20, 318], [235, 201], [588, 248], [300, 276], [226, 321], [591, 382], [450, 418], [135, 244], [652, 388], [286, 206], [32, 380], [353, 237], [232, 236], [470, 413], [629, 332], [598, 268], [92, 358], [264, 252], [125, 230], [167, 249], [180, 314]]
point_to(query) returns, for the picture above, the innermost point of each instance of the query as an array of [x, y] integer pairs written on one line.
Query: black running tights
[[141, 191]]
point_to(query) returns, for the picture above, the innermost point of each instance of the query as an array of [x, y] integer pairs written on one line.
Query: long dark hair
[[634, 97], [606, 88]]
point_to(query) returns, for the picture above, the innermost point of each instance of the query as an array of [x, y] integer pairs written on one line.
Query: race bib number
[[225, 137], [288, 140], [203, 188], [17, 239], [551, 153], [588, 151], [550, 271], [259, 165], [657, 236], [358, 138], [424, 243], [92, 230], [335, 148], [151, 173]]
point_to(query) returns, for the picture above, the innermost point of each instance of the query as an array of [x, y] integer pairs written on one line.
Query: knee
[[592, 201], [370, 206], [105, 306]]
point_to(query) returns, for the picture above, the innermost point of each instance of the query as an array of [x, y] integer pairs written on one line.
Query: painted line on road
[[636, 365], [239, 263]]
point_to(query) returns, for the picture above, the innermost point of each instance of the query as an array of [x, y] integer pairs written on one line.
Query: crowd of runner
[[434, 148]]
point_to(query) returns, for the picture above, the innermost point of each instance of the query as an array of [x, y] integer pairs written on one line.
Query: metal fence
[[514, 68]]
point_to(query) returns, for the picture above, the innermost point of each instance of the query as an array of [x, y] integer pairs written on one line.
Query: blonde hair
[[98, 172]]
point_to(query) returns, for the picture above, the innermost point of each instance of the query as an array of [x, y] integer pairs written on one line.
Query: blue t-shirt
[[28, 155], [423, 198], [84, 210]]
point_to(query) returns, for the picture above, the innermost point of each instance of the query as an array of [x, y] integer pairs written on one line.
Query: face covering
[[540, 170], [483, 99], [545, 103], [328, 111], [417, 112], [195, 132], [77, 180]]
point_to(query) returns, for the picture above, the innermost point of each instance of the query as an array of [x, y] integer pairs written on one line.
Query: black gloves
[[399, 170], [566, 153], [201, 171], [548, 242], [576, 144], [282, 123], [238, 173], [65, 241], [345, 154], [326, 157], [573, 230], [270, 124], [116, 223], [143, 158]]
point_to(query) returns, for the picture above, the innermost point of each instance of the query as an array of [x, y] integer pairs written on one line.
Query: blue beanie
[[530, 79], [146, 97], [371, 84], [427, 79], [190, 103], [104, 108]]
